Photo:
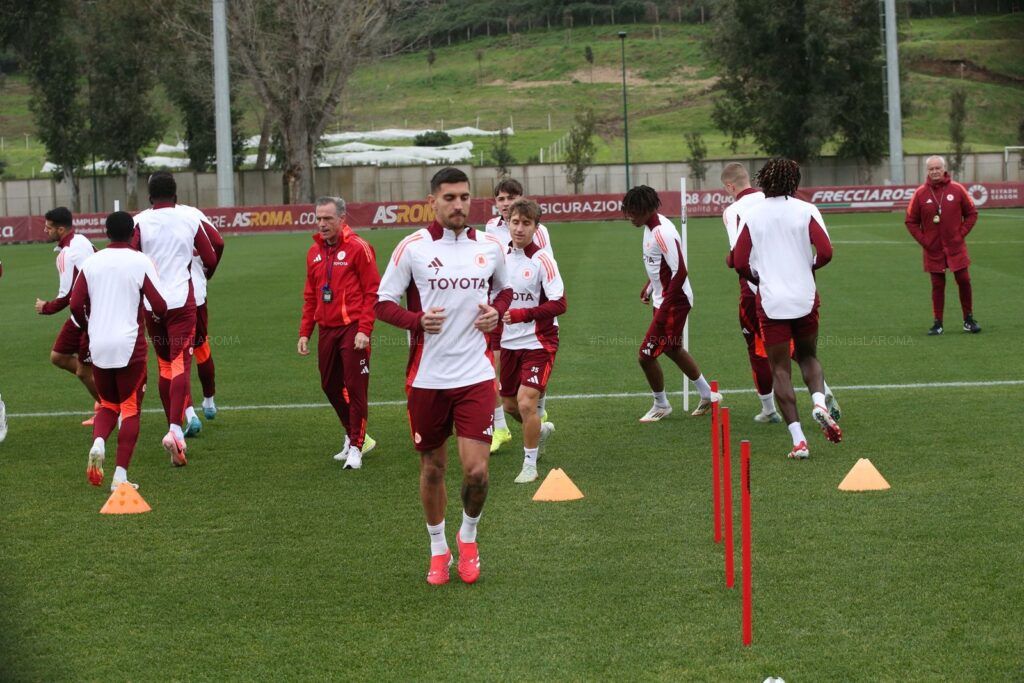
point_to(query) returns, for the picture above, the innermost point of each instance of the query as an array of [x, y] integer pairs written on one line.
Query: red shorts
[[173, 335], [202, 329], [525, 367], [73, 339], [783, 331], [432, 412], [669, 336]]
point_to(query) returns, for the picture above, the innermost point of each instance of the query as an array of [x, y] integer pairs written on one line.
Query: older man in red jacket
[[340, 293], [939, 217]]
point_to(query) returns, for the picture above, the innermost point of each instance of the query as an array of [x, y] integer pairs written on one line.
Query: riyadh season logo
[[979, 193]]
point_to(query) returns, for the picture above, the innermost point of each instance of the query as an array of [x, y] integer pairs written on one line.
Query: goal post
[[686, 325]]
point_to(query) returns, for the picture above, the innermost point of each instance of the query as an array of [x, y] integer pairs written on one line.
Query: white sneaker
[[94, 470], [772, 417], [115, 483], [354, 460], [343, 453], [528, 474], [704, 407], [3, 421], [546, 430], [657, 413]]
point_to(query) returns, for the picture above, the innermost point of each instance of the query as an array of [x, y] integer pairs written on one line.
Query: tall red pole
[[748, 588], [716, 484], [727, 497]]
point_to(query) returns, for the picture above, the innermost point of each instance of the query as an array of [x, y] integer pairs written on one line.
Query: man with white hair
[[939, 216]]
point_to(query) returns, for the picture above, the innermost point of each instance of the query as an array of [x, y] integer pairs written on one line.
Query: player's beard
[[455, 221]]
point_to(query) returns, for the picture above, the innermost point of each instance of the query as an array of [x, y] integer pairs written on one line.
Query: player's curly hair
[[162, 186], [640, 200], [779, 177]]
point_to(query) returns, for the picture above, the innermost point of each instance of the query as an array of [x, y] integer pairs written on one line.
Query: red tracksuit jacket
[[351, 266], [943, 242]]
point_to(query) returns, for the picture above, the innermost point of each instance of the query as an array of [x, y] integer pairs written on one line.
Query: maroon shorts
[[73, 339], [122, 389], [669, 336], [525, 367], [202, 328], [172, 336], [783, 331], [433, 412]]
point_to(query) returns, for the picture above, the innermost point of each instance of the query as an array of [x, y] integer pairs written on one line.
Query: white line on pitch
[[577, 397]]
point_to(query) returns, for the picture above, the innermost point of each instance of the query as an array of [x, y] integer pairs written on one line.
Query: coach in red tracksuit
[[939, 216], [341, 291]]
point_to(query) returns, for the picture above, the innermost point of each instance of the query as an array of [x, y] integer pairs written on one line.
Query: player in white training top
[[507, 191], [107, 301], [529, 339], [445, 272]]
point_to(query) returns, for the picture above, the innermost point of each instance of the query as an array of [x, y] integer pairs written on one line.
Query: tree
[[796, 74], [588, 55], [431, 58], [698, 155], [957, 136], [580, 149], [298, 56], [501, 155], [480, 65]]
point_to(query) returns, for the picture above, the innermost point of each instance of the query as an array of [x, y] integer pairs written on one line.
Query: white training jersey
[[168, 237], [70, 258], [198, 273], [534, 278], [781, 255], [436, 268], [500, 229], [663, 257], [733, 214], [115, 278]]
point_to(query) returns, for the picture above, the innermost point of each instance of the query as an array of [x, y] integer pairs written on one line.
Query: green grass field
[[264, 560]]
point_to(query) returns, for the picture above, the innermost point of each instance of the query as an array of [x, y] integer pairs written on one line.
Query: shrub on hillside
[[433, 138]]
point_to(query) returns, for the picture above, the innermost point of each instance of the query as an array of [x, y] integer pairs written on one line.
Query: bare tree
[[299, 55], [580, 150]]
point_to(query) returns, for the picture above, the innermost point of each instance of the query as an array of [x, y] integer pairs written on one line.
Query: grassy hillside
[[541, 77]]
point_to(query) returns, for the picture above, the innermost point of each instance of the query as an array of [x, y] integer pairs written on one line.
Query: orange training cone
[[125, 500], [557, 486], [864, 477]]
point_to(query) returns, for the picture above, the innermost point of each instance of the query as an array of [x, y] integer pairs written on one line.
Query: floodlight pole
[[892, 77], [625, 110], [222, 107]]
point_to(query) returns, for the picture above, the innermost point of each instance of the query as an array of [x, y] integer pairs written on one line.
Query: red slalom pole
[[716, 484], [727, 497], [748, 598]]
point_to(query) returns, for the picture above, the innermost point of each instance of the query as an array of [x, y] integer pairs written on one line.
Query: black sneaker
[[937, 328], [971, 326]]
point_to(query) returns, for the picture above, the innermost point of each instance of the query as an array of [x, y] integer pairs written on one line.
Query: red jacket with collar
[[351, 266], [943, 242]]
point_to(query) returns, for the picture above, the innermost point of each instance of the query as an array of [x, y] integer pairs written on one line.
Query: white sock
[[468, 531], [818, 399], [796, 432], [540, 404], [438, 543], [767, 403], [660, 398], [703, 387], [98, 441], [190, 413], [499, 418], [208, 403], [530, 456], [828, 392], [120, 474], [176, 430]]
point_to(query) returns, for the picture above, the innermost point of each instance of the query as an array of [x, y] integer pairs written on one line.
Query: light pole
[[625, 110]]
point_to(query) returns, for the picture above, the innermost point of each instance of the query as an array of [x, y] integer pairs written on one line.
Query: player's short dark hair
[[509, 186], [526, 208], [60, 216], [120, 226], [779, 177], [162, 186], [447, 176], [641, 200]]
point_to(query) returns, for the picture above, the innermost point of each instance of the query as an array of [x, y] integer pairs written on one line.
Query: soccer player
[[445, 272], [107, 301], [340, 295], [774, 251], [668, 289], [505, 193], [3, 408], [201, 343], [529, 337], [940, 216], [168, 234], [71, 348]]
